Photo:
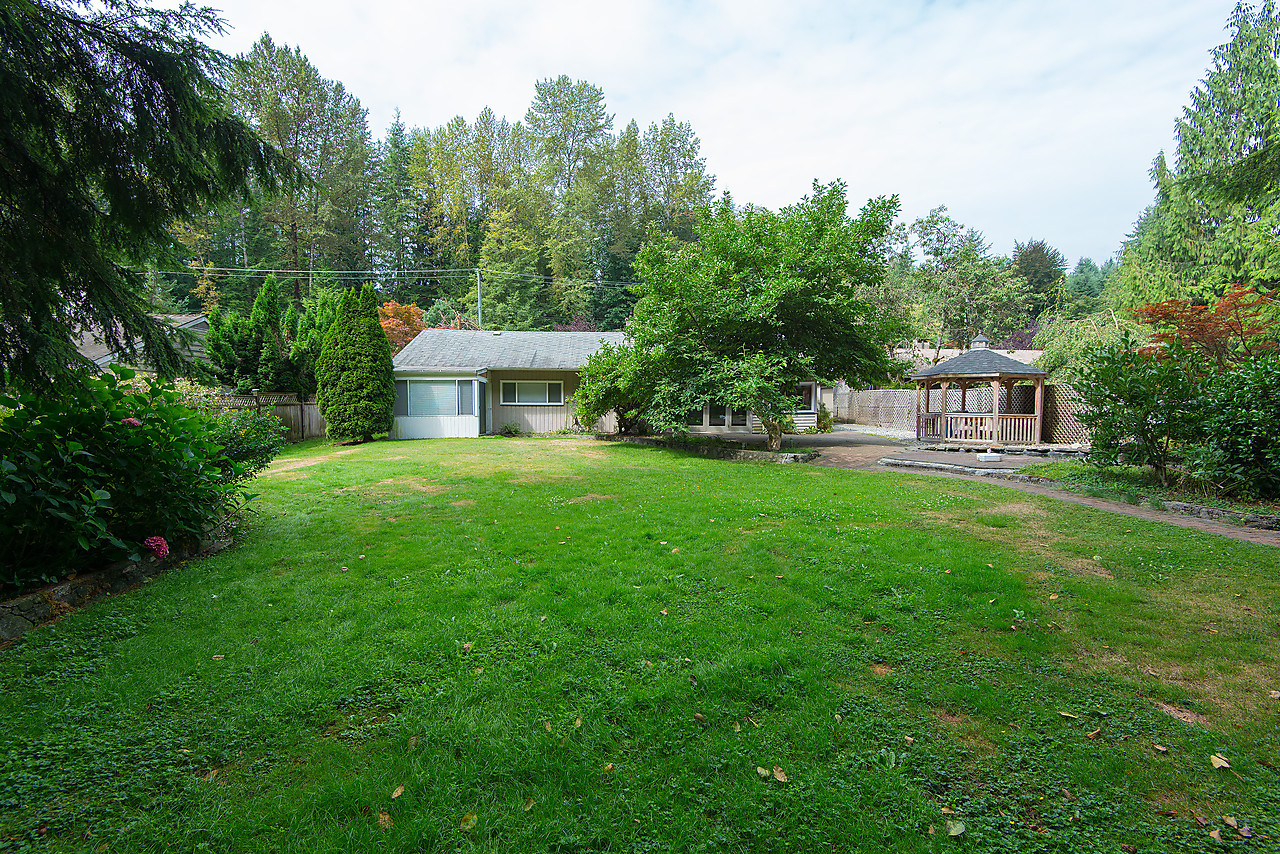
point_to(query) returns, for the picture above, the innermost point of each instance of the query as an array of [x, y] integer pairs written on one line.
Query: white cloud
[[1025, 119]]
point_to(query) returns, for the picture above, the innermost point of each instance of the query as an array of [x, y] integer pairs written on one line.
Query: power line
[[342, 275]]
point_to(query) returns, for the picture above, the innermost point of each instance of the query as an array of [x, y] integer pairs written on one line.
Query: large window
[[441, 398], [537, 393]]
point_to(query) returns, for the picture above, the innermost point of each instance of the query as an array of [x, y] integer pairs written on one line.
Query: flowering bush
[[159, 548], [90, 470]]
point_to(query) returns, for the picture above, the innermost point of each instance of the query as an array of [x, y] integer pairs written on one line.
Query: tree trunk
[[773, 433]]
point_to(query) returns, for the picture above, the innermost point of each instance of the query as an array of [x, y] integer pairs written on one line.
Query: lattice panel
[[1061, 405]]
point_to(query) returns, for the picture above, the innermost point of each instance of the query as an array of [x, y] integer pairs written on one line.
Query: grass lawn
[[1136, 485], [562, 645]]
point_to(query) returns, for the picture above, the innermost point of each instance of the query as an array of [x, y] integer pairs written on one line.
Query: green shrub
[[250, 440], [88, 471], [1141, 405], [1240, 449], [826, 421], [510, 428]]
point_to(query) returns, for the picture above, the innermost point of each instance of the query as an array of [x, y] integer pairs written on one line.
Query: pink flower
[[133, 422], [158, 547]]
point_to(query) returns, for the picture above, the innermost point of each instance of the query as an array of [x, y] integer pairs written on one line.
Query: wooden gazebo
[[979, 367]]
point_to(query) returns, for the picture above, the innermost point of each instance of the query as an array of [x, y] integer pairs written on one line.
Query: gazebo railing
[[969, 427]]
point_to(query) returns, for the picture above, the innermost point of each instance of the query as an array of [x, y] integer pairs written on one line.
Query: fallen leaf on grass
[[384, 819], [547, 726], [468, 821], [1245, 831], [413, 741], [697, 716], [1230, 821], [1215, 835], [1217, 760], [663, 612], [466, 648], [908, 739], [528, 804], [542, 619], [212, 772], [693, 680], [219, 657], [955, 827], [1069, 715], [673, 551], [1129, 849], [763, 772], [608, 769], [737, 727], [1053, 595], [577, 724], [839, 719], [948, 811], [1169, 813], [779, 774], [1201, 821], [1094, 734], [1275, 695], [1160, 748], [397, 793]]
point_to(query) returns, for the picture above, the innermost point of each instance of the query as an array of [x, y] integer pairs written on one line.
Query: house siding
[[539, 418]]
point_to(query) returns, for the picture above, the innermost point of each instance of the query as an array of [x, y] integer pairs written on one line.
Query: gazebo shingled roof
[[980, 363]]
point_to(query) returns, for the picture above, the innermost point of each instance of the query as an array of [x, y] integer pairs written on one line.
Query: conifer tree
[[356, 391]]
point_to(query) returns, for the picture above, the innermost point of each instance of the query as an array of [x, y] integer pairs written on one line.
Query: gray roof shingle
[[980, 362], [489, 350]]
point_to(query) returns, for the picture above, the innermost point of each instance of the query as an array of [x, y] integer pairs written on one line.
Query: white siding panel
[[436, 427]]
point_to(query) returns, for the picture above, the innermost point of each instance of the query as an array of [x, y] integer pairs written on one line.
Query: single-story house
[[465, 382], [458, 383]]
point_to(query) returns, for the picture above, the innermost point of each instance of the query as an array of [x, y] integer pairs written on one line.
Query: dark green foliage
[[356, 390], [83, 484], [111, 126], [1044, 268], [1240, 450], [617, 379], [761, 302], [1141, 404], [250, 440]]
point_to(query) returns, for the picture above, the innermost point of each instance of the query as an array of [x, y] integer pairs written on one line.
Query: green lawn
[[571, 646]]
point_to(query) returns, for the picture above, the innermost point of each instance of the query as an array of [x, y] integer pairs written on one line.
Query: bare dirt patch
[[466, 502], [392, 485], [591, 496], [1184, 715], [290, 465], [949, 718], [879, 668]]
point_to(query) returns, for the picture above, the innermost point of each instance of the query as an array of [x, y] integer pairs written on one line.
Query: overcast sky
[[1027, 119]]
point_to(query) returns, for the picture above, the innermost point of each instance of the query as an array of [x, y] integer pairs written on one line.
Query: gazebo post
[[995, 410], [946, 407], [1039, 434]]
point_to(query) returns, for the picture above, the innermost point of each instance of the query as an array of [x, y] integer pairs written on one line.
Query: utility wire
[[390, 274]]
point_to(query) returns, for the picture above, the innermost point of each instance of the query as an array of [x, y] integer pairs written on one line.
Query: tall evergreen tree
[[1196, 239], [112, 126], [356, 391]]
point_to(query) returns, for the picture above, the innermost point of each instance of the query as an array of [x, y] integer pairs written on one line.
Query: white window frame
[[441, 381], [502, 393]]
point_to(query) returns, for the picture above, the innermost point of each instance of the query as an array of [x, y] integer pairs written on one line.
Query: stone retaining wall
[[31, 610]]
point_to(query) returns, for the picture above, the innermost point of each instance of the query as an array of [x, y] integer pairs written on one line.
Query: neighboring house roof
[[980, 362], [92, 348], [472, 350]]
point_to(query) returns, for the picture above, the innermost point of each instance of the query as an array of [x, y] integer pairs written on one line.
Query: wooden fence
[[301, 418], [897, 408]]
